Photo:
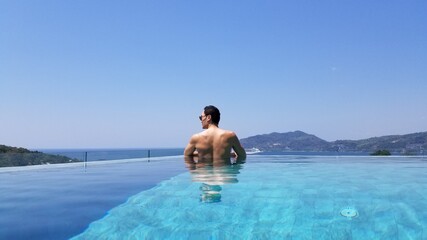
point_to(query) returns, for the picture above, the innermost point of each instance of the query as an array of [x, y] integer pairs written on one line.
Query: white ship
[[252, 150]]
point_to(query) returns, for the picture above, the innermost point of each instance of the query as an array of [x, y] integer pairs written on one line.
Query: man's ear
[[209, 117]]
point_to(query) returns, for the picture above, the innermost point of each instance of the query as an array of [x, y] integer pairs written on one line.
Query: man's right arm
[[191, 146]]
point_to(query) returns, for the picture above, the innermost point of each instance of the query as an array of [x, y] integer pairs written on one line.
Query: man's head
[[210, 115]]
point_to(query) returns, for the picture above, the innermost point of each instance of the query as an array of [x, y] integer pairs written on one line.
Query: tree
[[383, 152]]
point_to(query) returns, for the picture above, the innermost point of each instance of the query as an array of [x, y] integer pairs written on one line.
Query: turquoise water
[[278, 197]]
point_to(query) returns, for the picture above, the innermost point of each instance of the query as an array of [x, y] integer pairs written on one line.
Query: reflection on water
[[213, 173]]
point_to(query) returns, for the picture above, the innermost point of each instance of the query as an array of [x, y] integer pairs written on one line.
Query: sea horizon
[[99, 154]]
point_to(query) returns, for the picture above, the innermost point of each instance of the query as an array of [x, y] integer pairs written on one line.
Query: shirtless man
[[214, 142]]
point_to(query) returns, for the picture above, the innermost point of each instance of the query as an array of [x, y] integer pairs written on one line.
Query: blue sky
[[95, 74]]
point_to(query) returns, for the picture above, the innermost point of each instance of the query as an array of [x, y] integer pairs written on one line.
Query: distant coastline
[[289, 143], [298, 141], [16, 156]]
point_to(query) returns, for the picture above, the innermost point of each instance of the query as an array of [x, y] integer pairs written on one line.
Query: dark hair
[[214, 112]]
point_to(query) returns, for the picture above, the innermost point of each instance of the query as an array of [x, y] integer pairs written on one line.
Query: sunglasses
[[201, 117]]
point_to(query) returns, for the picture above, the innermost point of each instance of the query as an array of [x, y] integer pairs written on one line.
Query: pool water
[[278, 197], [266, 197], [59, 201]]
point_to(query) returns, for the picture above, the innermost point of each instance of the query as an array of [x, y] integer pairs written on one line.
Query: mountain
[[13, 156], [290, 141], [413, 143]]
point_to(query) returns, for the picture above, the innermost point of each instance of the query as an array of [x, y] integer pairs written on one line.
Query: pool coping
[[130, 160], [82, 164]]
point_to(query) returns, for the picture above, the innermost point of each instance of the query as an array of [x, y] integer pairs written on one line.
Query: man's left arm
[[237, 147]]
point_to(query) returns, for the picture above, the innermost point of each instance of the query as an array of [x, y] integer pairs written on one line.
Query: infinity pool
[[60, 200], [266, 197]]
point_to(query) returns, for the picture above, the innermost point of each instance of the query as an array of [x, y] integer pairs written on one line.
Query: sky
[[137, 74]]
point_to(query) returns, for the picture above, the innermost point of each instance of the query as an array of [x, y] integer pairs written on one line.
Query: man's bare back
[[214, 142]]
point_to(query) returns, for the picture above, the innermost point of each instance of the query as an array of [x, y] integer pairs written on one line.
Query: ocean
[[114, 153], [101, 154], [133, 153]]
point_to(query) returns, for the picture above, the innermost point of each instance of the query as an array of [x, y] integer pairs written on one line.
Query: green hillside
[[15, 156], [409, 144]]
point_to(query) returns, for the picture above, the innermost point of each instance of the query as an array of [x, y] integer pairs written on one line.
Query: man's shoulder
[[228, 133], [198, 135], [194, 137]]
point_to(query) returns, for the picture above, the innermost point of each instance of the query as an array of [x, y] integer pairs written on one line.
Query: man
[[214, 142]]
